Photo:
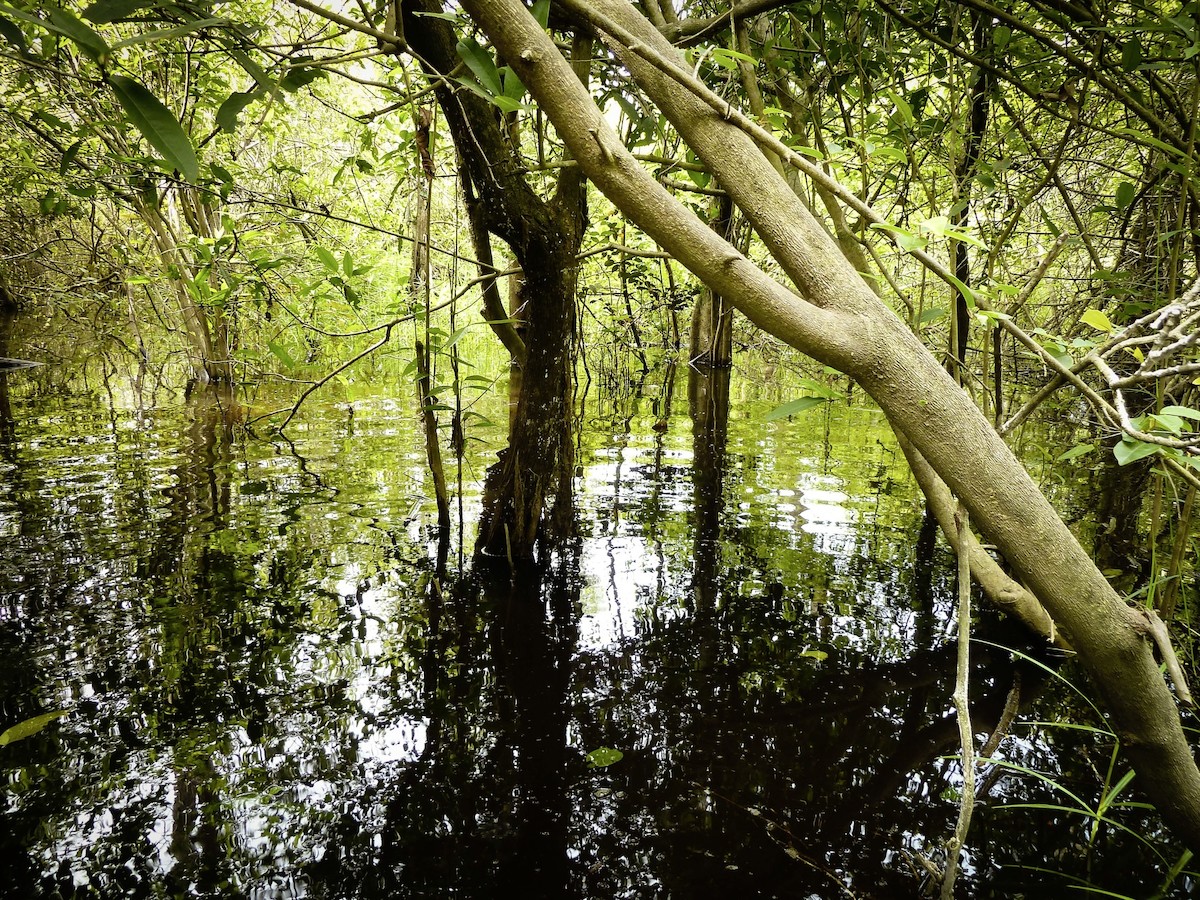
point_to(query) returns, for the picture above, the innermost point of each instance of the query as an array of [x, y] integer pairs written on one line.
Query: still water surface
[[277, 687]]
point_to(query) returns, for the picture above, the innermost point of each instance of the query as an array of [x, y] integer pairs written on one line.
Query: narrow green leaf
[[541, 12], [327, 258], [905, 239], [157, 124], [1143, 138], [104, 11], [253, 69], [29, 727], [69, 157], [481, 64], [87, 40], [793, 407], [930, 315], [12, 33], [1075, 452], [1186, 411], [163, 34], [281, 354]]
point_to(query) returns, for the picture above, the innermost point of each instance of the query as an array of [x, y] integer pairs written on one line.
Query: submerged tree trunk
[[527, 495], [838, 320]]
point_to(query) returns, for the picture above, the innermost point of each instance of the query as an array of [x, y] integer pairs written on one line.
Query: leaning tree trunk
[[527, 495], [839, 321]]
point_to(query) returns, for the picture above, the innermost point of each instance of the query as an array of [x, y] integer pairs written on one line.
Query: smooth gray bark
[[840, 322]]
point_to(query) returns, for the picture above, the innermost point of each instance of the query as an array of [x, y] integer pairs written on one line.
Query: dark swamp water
[[275, 688]]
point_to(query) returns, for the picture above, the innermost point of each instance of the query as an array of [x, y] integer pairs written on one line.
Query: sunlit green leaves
[[1098, 320], [157, 124]]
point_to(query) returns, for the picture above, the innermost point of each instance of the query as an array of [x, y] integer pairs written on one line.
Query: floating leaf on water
[[604, 756], [30, 727]]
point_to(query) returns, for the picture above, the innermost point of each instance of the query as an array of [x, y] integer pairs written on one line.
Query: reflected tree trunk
[[8, 431], [535, 633]]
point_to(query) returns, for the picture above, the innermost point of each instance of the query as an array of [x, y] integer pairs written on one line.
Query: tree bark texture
[[837, 319], [527, 494]]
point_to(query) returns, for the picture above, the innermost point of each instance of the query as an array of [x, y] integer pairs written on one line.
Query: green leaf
[[506, 104], [604, 756], [163, 34], [541, 12], [481, 64], [299, 75], [1075, 452], [1165, 422], [930, 315], [12, 33], [793, 407], [86, 39], [227, 115], [281, 354], [906, 240], [69, 157], [1131, 54], [1130, 450], [1186, 411], [327, 258], [253, 69], [104, 11], [1126, 191], [1146, 139], [30, 727], [513, 88], [158, 125], [815, 654], [1097, 320]]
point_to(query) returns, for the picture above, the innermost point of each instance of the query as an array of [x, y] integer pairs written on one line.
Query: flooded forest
[[607, 449]]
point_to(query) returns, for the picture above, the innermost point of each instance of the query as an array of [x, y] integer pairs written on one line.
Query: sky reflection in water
[[277, 691]]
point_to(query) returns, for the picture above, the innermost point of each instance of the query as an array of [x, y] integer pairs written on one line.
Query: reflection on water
[[278, 687]]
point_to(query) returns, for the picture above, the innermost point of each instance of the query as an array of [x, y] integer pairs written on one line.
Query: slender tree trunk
[[712, 318]]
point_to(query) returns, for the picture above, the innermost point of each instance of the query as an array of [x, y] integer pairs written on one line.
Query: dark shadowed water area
[[276, 683]]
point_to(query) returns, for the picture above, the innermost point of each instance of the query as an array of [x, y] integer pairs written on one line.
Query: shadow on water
[[279, 687]]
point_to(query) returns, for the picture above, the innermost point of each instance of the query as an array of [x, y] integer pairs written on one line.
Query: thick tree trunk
[[840, 322], [528, 492]]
